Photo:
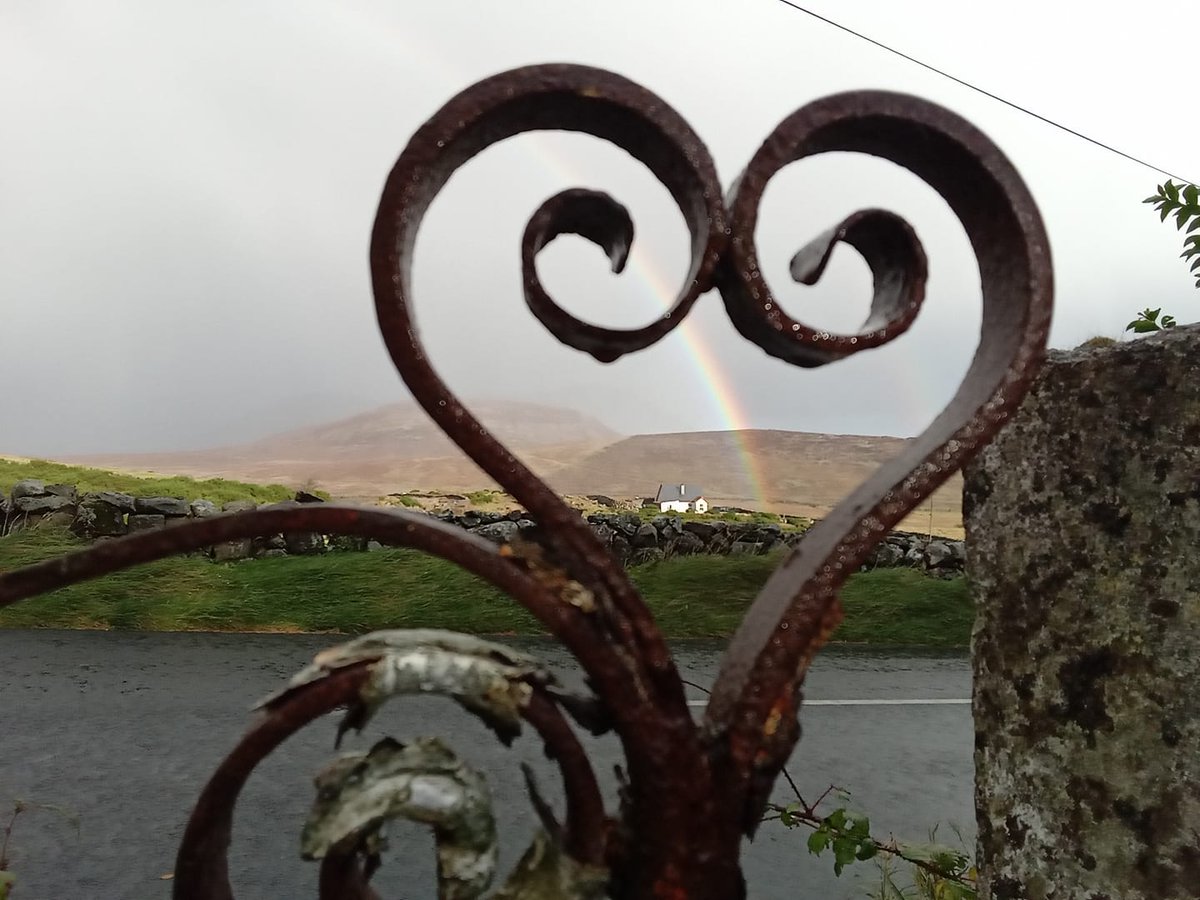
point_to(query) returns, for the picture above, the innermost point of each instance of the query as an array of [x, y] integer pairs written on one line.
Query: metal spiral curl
[[693, 790]]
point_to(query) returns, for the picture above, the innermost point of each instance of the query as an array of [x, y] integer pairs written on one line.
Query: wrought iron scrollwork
[[693, 790]]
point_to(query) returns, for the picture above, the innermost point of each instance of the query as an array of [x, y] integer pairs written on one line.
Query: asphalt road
[[123, 729]]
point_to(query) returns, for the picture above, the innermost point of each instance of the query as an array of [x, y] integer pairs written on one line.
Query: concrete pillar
[[1083, 544]]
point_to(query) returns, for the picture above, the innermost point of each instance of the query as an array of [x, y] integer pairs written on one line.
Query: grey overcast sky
[[187, 190]]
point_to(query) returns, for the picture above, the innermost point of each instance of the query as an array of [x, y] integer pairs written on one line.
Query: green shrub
[[218, 490]]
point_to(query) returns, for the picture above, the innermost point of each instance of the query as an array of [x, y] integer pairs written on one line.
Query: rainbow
[[711, 373]]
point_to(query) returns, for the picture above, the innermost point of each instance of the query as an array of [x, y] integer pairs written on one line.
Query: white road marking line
[[933, 701]]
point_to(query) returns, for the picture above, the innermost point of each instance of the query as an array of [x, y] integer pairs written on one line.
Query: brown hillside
[[391, 448], [799, 473]]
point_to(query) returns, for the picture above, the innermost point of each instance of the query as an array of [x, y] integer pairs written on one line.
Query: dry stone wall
[[634, 539]]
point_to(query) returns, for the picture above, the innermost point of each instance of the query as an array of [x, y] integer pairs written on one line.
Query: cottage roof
[[687, 493]]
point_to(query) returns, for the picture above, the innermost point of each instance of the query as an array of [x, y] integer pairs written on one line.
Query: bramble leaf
[[844, 850], [867, 850], [1142, 326]]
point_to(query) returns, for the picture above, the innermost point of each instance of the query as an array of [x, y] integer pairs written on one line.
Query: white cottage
[[680, 498]]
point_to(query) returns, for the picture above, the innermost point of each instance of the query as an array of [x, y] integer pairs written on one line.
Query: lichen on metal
[[425, 782], [693, 789], [359, 793], [490, 680]]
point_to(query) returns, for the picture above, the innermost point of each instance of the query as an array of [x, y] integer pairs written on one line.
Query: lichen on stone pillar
[[1083, 543]]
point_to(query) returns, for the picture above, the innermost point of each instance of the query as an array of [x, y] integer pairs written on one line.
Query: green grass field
[[218, 490], [691, 597]]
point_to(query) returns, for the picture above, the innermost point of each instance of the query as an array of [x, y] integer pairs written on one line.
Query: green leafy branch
[[1148, 320], [1182, 201], [939, 872]]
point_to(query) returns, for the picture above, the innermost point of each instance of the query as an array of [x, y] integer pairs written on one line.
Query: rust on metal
[[693, 789]]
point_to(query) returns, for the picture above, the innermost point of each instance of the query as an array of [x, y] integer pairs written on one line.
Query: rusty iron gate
[[692, 790]]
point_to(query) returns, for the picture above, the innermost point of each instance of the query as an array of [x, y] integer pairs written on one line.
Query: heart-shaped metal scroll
[[798, 607]]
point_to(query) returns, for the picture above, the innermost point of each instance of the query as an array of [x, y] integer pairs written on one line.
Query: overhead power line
[[979, 90]]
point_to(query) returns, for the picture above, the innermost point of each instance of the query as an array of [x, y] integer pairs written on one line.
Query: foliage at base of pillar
[[938, 871]]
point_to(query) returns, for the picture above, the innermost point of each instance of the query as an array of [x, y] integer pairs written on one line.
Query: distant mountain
[[405, 431], [394, 447]]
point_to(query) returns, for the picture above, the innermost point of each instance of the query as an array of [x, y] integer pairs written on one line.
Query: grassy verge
[[218, 490], [698, 596]]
